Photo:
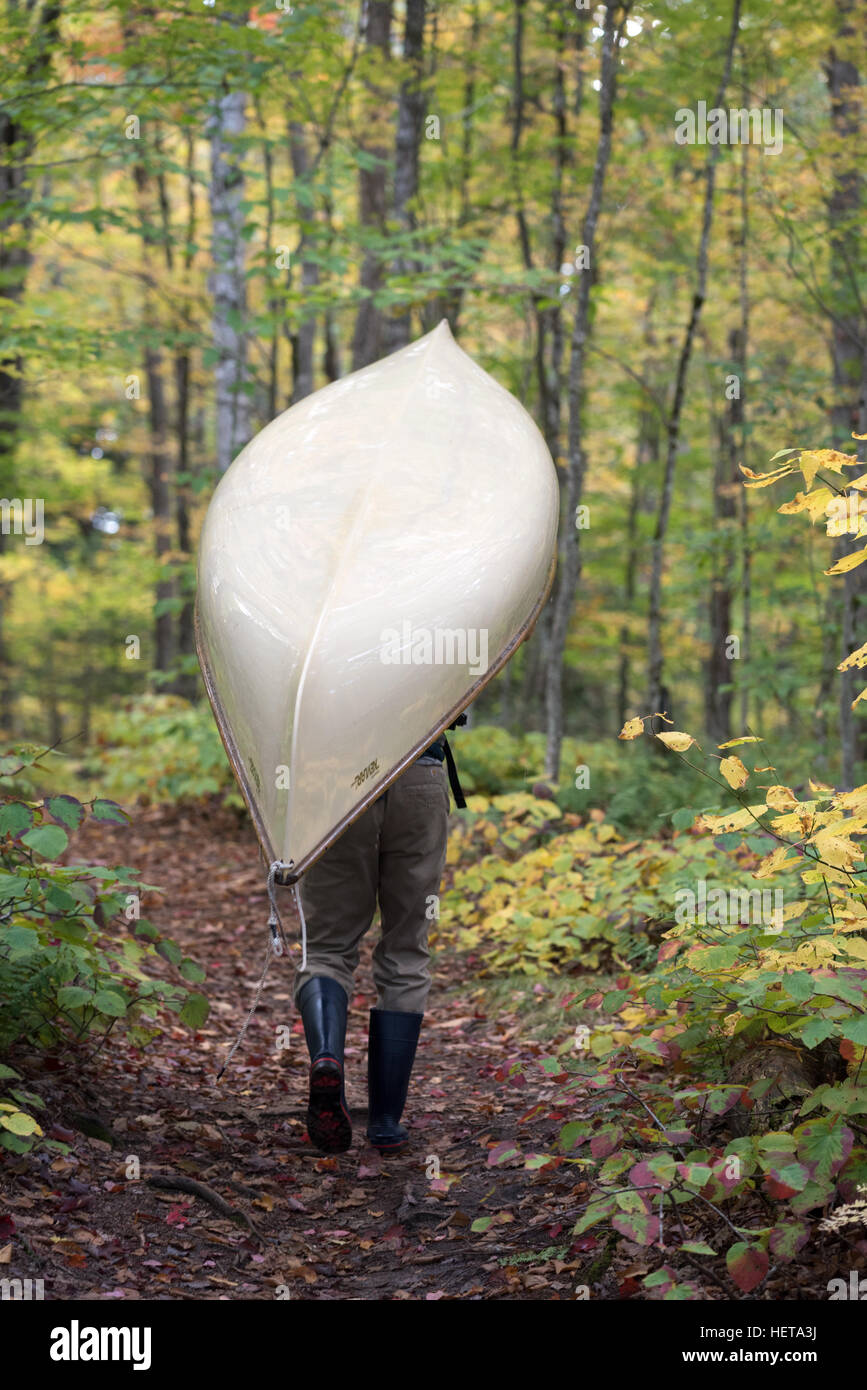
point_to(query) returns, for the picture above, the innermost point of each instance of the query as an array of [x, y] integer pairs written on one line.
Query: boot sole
[[328, 1121]]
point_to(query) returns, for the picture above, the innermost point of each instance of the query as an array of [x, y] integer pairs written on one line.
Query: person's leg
[[411, 860], [338, 895]]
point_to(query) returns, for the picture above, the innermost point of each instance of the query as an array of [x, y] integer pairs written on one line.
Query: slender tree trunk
[[187, 681], [743, 494], [449, 301], [368, 343], [159, 466], [646, 466], [569, 567], [550, 325], [410, 111], [719, 682], [271, 267], [304, 339], [848, 329], [654, 637], [727, 648], [16, 147], [228, 286]]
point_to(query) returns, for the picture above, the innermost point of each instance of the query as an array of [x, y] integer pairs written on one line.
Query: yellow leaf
[[730, 820], [857, 946], [677, 742], [765, 479], [858, 698], [736, 742], [633, 728], [837, 849], [773, 862], [815, 503], [781, 798], [734, 771], [812, 460], [848, 562], [856, 658]]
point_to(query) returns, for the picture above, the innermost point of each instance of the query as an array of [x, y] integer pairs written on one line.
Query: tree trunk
[[368, 343], [159, 467], [719, 679], [744, 496], [16, 146], [569, 567], [187, 681], [848, 331], [654, 636], [304, 339], [228, 286], [646, 466], [410, 111]]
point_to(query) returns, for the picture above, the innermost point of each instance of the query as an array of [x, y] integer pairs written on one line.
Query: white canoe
[[368, 562]]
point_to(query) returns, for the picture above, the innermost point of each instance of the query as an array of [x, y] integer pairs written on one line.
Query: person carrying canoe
[[395, 851]]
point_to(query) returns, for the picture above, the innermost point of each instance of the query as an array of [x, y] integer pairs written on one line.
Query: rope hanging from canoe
[[277, 946]]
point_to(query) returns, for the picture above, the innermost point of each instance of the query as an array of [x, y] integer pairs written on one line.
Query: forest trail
[[354, 1226]]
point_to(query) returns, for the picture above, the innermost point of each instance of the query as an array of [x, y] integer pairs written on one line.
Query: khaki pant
[[395, 850]]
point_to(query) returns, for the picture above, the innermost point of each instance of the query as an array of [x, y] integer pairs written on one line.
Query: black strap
[[454, 780]]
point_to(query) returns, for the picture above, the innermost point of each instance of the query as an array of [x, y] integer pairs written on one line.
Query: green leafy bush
[[161, 748], [74, 949]]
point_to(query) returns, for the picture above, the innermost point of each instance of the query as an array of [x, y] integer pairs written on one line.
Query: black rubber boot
[[323, 1003], [392, 1041]]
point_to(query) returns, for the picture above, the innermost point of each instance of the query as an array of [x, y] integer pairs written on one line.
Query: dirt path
[[305, 1226]]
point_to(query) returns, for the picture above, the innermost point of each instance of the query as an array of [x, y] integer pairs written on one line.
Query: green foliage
[[161, 748], [727, 1057], [637, 792], [74, 951]]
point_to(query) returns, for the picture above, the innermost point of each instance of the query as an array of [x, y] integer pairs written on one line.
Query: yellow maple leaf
[[816, 503], [812, 460], [733, 771]]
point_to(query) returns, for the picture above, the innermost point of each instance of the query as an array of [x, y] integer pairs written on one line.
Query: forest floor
[[272, 1217]]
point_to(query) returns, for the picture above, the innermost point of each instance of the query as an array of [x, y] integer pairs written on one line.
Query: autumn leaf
[[856, 658], [736, 742], [814, 503], [848, 562], [633, 728], [812, 460], [765, 479], [734, 771], [677, 742], [781, 798], [747, 1265], [774, 862]]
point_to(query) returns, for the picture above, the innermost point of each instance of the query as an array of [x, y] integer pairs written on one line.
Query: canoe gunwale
[[287, 878]]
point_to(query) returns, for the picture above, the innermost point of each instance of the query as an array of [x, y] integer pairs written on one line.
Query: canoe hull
[[367, 564]]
